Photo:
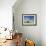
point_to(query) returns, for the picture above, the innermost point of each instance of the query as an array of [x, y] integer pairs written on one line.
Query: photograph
[[29, 19]]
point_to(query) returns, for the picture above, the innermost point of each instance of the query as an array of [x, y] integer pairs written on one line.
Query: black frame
[[31, 15]]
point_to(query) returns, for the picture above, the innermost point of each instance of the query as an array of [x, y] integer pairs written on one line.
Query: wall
[[6, 13], [28, 7], [43, 22]]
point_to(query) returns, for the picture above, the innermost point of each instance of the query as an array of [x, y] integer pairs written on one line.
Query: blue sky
[[29, 17]]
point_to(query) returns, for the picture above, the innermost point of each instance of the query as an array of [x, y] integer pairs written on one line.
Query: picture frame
[[29, 19]]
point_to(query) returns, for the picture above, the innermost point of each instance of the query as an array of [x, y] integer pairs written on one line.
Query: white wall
[[28, 7], [6, 13], [43, 22]]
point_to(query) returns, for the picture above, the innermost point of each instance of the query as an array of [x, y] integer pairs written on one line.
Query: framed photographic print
[[29, 19]]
